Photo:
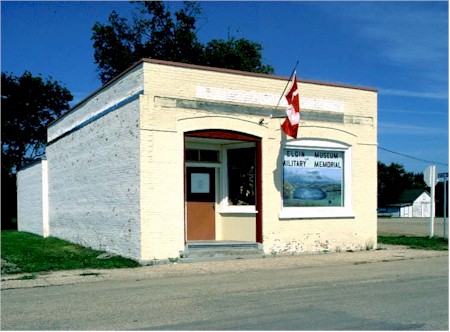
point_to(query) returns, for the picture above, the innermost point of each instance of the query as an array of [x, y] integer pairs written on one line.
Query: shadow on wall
[[278, 171]]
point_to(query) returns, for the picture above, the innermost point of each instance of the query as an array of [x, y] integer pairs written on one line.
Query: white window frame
[[329, 212]]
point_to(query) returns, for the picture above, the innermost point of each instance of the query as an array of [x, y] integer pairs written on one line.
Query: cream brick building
[[169, 153]]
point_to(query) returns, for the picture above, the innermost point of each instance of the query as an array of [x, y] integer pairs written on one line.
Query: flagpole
[[282, 94]]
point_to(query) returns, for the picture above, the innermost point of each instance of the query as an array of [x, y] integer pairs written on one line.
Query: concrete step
[[210, 250], [219, 245]]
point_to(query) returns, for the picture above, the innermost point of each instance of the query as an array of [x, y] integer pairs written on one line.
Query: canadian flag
[[290, 125]]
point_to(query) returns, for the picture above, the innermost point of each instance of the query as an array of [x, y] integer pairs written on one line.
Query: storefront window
[[316, 180], [241, 176], [313, 178]]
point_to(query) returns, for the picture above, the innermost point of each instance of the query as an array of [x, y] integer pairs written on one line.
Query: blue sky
[[400, 48]]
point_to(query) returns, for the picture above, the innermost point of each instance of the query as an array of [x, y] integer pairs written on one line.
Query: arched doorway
[[223, 192]]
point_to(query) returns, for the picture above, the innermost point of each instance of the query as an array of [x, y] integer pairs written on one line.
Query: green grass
[[415, 242], [32, 253]]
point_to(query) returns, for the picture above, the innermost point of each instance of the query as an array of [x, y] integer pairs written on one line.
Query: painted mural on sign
[[312, 178]]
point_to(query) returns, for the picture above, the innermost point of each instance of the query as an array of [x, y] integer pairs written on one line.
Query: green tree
[[239, 54], [393, 179], [157, 33], [29, 104]]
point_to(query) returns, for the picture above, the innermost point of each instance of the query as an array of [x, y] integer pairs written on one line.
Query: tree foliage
[[29, 104], [239, 54], [155, 32], [393, 179]]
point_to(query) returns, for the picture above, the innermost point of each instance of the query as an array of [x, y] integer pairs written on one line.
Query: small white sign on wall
[[199, 183]]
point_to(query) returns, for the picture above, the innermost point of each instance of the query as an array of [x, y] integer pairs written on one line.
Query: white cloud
[[407, 129], [396, 111], [417, 94]]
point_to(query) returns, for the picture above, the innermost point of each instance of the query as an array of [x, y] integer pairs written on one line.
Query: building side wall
[[94, 183], [32, 204]]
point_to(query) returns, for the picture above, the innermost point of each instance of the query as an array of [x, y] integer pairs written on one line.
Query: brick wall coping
[[246, 73], [214, 69]]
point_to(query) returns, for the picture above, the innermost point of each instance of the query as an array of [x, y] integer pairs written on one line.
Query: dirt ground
[[411, 226]]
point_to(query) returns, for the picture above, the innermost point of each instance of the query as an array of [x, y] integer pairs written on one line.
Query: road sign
[[429, 176], [442, 175]]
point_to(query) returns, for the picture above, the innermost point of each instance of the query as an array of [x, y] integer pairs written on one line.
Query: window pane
[[192, 155], [202, 155], [241, 176], [209, 155], [313, 178]]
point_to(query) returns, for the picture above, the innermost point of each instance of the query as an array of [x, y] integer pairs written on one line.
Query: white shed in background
[[413, 203]]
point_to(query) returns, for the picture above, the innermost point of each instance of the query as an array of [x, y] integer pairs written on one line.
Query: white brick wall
[[94, 184], [32, 199], [162, 195], [109, 96]]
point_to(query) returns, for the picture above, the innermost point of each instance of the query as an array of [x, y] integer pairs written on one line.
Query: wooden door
[[200, 203]]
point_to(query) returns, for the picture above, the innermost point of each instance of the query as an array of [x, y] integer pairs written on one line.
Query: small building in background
[[413, 203]]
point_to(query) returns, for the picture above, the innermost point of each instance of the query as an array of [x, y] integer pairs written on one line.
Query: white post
[[429, 176], [433, 180]]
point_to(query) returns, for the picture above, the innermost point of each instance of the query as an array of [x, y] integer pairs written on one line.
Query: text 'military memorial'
[[313, 178]]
